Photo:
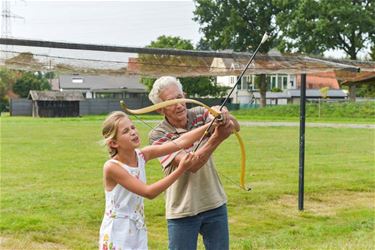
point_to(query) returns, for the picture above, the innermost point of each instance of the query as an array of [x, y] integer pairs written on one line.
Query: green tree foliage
[[7, 80], [30, 81], [372, 53], [193, 86], [316, 26], [171, 42], [366, 90], [238, 25]]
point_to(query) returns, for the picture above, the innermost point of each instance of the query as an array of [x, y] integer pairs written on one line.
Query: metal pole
[[126, 49], [302, 142]]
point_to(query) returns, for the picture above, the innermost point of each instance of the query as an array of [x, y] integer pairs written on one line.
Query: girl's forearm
[[190, 137], [160, 186], [185, 140]]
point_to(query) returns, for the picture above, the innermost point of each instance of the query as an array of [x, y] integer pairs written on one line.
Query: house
[[55, 103], [320, 80], [133, 65], [246, 87], [277, 83], [96, 87]]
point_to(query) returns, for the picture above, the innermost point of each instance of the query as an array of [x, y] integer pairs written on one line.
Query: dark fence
[[56, 108], [23, 107], [215, 102], [20, 107], [104, 106]]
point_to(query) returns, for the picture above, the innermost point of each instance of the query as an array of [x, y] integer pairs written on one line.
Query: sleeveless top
[[123, 226]]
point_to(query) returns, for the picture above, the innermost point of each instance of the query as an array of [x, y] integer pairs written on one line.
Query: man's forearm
[[205, 152]]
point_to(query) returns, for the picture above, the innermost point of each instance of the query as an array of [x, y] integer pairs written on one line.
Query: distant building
[[96, 87], [133, 65], [320, 80], [284, 84]]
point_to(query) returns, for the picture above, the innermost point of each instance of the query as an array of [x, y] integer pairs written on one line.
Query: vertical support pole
[[302, 142]]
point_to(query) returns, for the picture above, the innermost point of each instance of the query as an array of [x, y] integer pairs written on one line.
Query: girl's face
[[127, 135]]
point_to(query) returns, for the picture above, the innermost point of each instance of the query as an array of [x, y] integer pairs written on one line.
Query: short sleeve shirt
[[192, 193]]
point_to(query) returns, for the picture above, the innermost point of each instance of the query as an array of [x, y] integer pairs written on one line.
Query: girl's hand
[[187, 161]]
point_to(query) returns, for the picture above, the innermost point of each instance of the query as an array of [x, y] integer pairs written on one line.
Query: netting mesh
[[154, 64]]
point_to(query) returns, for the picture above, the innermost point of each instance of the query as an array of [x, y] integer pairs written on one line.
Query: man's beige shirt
[[192, 193]]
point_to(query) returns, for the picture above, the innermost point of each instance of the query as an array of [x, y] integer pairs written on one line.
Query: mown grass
[[52, 194]]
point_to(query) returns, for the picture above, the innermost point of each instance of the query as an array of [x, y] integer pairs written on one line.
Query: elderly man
[[196, 202]]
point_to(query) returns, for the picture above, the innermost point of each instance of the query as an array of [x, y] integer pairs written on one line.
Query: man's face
[[176, 114]]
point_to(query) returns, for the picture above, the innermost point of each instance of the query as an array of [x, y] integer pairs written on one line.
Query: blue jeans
[[212, 225]]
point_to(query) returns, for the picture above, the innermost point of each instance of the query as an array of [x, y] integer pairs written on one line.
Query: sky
[[126, 23], [122, 23]]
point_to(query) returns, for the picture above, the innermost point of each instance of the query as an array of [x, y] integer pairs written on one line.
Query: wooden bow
[[215, 113]]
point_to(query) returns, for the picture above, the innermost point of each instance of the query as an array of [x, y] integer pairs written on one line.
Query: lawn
[[52, 193]]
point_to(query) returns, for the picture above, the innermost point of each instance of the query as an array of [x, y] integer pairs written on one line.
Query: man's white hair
[[161, 84]]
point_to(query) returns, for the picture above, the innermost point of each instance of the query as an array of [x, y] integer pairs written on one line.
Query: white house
[[244, 93], [286, 85]]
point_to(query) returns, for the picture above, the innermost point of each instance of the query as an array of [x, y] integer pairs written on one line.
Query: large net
[[116, 60]]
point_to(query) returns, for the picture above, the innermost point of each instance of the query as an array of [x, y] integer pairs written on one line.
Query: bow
[[215, 113], [264, 38]]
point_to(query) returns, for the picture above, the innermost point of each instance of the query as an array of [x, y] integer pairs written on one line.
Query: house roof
[[361, 78], [55, 95], [91, 82]]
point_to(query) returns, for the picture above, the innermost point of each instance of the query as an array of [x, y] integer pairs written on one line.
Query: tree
[[372, 53], [30, 81], [171, 42], [238, 25], [366, 90], [193, 86], [7, 80], [316, 26]]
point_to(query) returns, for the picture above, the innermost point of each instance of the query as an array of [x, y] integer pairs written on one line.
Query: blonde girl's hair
[[110, 127]]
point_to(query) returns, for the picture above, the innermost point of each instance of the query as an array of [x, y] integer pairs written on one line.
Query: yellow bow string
[[212, 111]]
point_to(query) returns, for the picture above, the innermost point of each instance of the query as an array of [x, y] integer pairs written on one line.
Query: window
[[285, 82], [233, 80], [77, 80], [273, 82], [109, 95], [292, 80], [246, 81], [279, 81]]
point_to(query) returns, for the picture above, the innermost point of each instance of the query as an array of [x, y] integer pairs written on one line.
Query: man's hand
[[224, 117], [224, 131]]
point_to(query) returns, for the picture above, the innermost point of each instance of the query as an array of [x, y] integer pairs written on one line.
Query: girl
[[123, 225]]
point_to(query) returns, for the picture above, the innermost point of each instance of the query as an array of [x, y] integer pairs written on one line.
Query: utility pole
[[6, 24]]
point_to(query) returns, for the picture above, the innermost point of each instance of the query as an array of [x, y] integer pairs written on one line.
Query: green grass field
[[52, 195]]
